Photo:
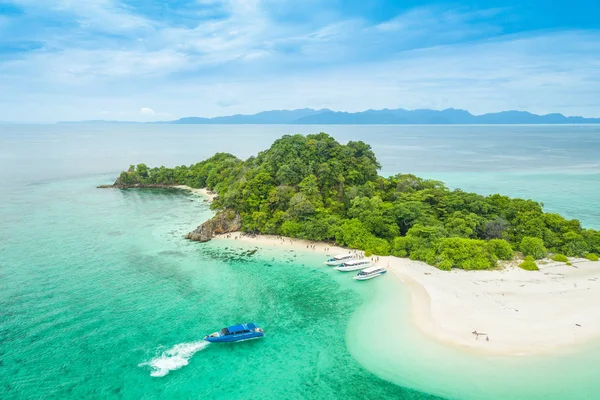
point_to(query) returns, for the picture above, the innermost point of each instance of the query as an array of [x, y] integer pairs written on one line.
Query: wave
[[174, 358]]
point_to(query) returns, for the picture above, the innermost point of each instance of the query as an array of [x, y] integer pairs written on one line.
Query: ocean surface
[[101, 297]]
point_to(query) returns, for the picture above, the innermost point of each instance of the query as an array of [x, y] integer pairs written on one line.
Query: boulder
[[224, 222]]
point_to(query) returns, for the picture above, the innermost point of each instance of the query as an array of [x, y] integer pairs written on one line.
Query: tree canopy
[[313, 187]]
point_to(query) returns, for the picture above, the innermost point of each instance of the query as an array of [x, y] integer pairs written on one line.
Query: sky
[[148, 60]]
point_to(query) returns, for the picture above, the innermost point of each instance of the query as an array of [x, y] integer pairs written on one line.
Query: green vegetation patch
[[534, 247], [501, 249], [560, 258], [591, 256], [529, 264]]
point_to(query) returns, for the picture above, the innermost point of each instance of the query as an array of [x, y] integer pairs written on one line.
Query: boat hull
[[367, 277], [339, 260], [352, 268], [234, 338], [333, 263]]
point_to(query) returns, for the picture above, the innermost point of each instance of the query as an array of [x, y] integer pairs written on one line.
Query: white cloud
[[147, 112], [96, 15], [536, 73], [248, 62]]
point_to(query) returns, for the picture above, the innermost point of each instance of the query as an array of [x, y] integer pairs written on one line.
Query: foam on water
[[174, 358]]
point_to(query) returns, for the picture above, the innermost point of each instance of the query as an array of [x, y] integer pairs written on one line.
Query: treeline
[[312, 187]]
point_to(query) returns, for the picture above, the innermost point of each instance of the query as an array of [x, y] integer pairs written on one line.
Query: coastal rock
[[224, 222], [120, 185], [137, 186]]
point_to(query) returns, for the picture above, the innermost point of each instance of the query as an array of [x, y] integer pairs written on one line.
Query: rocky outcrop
[[137, 186], [119, 184], [224, 222]]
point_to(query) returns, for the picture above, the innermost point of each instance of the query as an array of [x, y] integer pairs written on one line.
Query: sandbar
[[514, 312]]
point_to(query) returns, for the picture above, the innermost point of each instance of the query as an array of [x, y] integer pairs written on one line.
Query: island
[[312, 187], [330, 196]]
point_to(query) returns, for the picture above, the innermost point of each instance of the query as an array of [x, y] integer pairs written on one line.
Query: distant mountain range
[[386, 116]]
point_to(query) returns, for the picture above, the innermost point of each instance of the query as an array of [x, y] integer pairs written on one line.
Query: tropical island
[[314, 188], [475, 265]]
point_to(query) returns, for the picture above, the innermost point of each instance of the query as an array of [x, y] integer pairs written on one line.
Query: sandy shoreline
[[521, 312], [210, 196]]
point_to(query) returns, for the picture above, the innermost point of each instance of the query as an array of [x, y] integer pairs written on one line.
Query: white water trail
[[174, 358]]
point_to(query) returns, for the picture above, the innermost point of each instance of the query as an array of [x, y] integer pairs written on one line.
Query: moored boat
[[353, 265], [236, 333], [369, 273], [337, 260]]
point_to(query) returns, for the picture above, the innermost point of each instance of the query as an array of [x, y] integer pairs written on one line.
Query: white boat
[[353, 265], [369, 273], [337, 260]]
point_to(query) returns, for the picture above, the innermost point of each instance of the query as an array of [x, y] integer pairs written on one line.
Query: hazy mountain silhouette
[[265, 117], [448, 116], [375, 117]]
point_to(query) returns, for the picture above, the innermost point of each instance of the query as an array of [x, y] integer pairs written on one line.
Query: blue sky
[[153, 60]]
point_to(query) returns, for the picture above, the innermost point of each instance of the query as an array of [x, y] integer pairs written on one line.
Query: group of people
[[357, 254], [360, 255]]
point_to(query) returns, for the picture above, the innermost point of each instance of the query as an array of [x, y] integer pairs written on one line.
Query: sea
[[101, 297]]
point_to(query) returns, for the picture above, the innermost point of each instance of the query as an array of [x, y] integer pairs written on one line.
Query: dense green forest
[[313, 187]]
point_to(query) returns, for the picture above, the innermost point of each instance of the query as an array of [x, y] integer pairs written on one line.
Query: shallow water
[[404, 355], [101, 297]]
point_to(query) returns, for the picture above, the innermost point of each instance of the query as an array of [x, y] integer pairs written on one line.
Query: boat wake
[[174, 358]]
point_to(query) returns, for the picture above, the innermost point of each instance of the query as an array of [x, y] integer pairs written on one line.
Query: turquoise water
[[100, 297], [99, 292]]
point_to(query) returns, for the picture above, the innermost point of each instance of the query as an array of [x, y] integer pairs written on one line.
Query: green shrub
[[574, 244], [378, 246], [400, 246], [560, 258], [465, 254], [501, 249], [591, 256], [445, 265], [534, 247], [291, 228], [529, 264]]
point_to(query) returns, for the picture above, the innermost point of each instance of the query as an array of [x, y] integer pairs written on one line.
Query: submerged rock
[[224, 222]]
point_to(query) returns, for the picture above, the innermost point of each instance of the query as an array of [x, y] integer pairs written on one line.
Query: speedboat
[[337, 260], [369, 273], [236, 333], [353, 265]]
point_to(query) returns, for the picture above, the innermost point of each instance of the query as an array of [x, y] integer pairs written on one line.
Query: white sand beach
[[520, 312], [210, 196]]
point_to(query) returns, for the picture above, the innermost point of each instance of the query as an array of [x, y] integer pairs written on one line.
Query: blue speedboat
[[236, 333]]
